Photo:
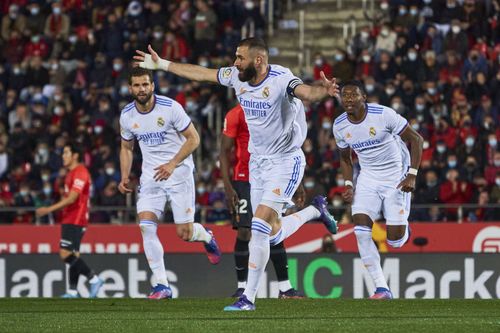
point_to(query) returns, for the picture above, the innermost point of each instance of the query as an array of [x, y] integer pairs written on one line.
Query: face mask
[[390, 91], [384, 32], [35, 39], [123, 90], [117, 67], [23, 193], [402, 11], [426, 145], [43, 151], [157, 34], [13, 16], [413, 12], [98, 129], [47, 190], [415, 126], [366, 58], [441, 149], [35, 10], [249, 5], [384, 6], [57, 98], [492, 142], [369, 88], [203, 63], [309, 185], [318, 62], [58, 111], [420, 118], [54, 67], [469, 142], [16, 71], [190, 105], [364, 34], [339, 57], [200, 190], [427, 1], [326, 125], [45, 178], [412, 56], [340, 182], [497, 181], [307, 149], [431, 91], [56, 10], [450, 5], [452, 163], [72, 39], [420, 107], [431, 183], [337, 203], [455, 29], [497, 163], [164, 90], [110, 171], [395, 106]]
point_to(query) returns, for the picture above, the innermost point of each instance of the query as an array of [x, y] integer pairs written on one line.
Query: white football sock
[[291, 223], [259, 256], [153, 250], [200, 234], [284, 285], [370, 256]]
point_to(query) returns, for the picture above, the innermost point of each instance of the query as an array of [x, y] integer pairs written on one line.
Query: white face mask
[[420, 107], [340, 182], [455, 29], [492, 142], [441, 149], [497, 163], [384, 32], [431, 91], [318, 62], [72, 39], [366, 58], [58, 111], [56, 10], [426, 145], [395, 106], [326, 125], [336, 203], [390, 91], [98, 129], [309, 184], [164, 90], [364, 34], [110, 171], [123, 90], [157, 34], [117, 67], [35, 10], [47, 190], [415, 126], [369, 88], [497, 181], [469, 142], [339, 57], [412, 56], [384, 6]]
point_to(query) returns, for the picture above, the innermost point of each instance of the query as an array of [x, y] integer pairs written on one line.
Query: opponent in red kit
[[235, 134], [75, 217]]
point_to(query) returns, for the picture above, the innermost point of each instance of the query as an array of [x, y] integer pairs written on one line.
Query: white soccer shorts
[[375, 199], [275, 178]]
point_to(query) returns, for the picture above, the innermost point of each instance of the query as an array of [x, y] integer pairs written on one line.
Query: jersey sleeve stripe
[[340, 119], [185, 128], [164, 103], [403, 129]]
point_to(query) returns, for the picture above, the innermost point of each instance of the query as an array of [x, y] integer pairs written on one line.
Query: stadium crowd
[[63, 76]]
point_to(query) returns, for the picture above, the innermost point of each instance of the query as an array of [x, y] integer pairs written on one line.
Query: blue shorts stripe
[[295, 176]]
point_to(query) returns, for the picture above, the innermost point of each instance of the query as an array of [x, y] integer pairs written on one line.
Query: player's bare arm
[[409, 135], [126, 158], [226, 148], [164, 171], [153, 61], [317, 93], [71, 198], [346, 167]]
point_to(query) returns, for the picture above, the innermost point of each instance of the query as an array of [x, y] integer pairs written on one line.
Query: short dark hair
[[354, 83], [75, 149], [254, 43], [139, 71]]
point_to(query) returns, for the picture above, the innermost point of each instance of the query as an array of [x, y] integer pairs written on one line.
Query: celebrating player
[[166, 138], [235, 135], [75, 218], [386, 178], [270, 97]]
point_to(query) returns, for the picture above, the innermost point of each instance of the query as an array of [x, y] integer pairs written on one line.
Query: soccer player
[[387, 173], [166, 138], [235, 135], [271, 97], [75, 218]]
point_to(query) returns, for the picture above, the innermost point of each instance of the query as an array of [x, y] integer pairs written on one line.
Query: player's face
[[245, 64], [141, 89], [352, 99], [67, 157]]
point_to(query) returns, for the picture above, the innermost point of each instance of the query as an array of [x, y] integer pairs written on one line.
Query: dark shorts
[[71, 236], [243, 216]]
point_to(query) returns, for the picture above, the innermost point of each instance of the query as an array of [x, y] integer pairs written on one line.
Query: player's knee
[[63, 254], [397, 239]]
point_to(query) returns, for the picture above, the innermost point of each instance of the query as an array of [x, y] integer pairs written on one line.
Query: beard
[[143, 100], [248, 73]]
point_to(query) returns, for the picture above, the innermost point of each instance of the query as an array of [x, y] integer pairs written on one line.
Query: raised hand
[[150, 60], [331, 86]]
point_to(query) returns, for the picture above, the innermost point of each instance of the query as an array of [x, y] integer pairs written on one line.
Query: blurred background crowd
[[63, 76]]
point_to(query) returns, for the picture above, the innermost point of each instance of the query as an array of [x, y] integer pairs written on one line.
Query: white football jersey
[[382, 155], [158, 133], [276, 119]]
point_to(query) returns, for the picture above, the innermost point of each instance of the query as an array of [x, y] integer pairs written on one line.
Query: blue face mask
[[452, 164]]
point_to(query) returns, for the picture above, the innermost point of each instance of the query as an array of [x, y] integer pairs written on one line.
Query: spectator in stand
[[204, 29], [411, 64], [493, 168], [35, 22], [386, 40], [454, 191], [361, 41], [342, 66], [365, 66], [386, 69], [14, 21], [495, 189], [427, 193], [321, 64], [433, 40]]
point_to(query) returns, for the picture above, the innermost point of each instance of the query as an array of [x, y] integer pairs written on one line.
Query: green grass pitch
[[272, 315]]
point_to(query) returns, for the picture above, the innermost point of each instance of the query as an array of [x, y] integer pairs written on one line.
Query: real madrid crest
[[226, 73], [160, 122], [265, 92], [372, 132]]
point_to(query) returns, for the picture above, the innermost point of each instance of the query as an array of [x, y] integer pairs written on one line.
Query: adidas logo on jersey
[[135, 126], [277, 191]]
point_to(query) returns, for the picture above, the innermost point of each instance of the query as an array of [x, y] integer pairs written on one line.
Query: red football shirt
[[77, 180], [236, 127]]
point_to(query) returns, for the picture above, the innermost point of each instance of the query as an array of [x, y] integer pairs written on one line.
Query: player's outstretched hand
[[331, 86], [150, 60], [407, 184], [164, 171], [348, 194], [123, 187]]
